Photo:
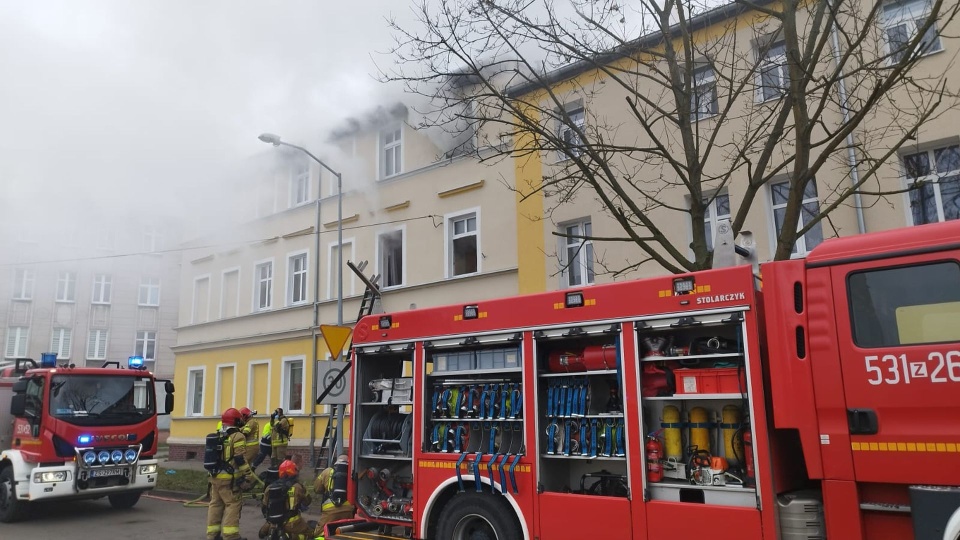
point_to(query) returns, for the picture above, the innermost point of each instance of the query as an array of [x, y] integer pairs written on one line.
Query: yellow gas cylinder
[[670, 424], [730, 423], [699, 433]]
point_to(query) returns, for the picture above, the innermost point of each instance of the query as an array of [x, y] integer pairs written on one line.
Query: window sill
[[388, 177], [761, 101], [100, 303], [891, 62], [696, 119], [148, 305]]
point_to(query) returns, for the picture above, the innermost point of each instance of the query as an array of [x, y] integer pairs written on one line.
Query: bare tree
[[751, 96]]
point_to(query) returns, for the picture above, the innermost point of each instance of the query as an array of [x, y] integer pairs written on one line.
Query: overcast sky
[[137, 103]]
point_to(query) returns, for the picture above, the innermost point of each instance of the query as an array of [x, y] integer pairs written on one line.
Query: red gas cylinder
[[654, 450]]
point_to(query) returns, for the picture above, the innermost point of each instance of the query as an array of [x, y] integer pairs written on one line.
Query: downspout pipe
[[845, 110]]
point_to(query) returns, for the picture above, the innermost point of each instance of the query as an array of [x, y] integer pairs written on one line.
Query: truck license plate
[[105, 472]]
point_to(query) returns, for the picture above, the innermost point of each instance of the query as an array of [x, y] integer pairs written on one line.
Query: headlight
[[46, 477], [116, 456], [148, 469], [104, 457], [130, 455], [89, 457]]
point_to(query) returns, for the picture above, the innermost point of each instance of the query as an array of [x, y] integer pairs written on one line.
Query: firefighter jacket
[[233, 450], [324, 486], [280, 431], [298, 499], [251, 431]]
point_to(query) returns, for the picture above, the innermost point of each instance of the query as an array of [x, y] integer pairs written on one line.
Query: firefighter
[[293, 499], [331, 485], [279, 436], [251, 431], [226, 485], [265, 447]]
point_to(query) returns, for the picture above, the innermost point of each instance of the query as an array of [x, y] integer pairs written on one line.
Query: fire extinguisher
[[654, 450], [748, 456]]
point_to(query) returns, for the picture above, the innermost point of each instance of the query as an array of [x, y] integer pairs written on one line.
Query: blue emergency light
[[135, 362], [84, 439], [48, 360]]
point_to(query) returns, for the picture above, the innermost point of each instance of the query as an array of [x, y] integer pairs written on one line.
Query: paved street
[[152, 519]]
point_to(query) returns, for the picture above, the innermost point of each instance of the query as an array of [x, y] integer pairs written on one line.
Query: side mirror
[[168, 404], [18, 405], [168, 387], [20, 386]]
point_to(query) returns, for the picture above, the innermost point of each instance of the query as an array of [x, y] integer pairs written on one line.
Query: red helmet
[[231, 418], [246, 413], [289, 469]]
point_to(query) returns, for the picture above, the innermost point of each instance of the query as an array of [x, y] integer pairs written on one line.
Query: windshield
[[101, 400]]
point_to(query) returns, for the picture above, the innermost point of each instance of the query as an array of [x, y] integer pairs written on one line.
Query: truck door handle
[[862, 421]]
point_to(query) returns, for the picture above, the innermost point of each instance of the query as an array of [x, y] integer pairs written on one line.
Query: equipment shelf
[[683, 397], [579, 373], [381, 403], [585, 458], [386, 456], [461, 373], [690, 357]]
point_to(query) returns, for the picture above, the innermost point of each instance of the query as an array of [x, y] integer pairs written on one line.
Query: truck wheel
[[122, 501], [478, 516], [11, 509]]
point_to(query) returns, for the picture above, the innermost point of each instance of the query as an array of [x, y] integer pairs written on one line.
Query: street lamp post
[[275, 140]]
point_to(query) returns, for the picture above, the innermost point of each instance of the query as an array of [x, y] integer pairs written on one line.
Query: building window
[[149, 291], [23, 284], [297, 279], [201, 299], [17, 338], [933, 177], [101, 289], [264, 286], [106, 239], [391, 148], [703, 96], [463, 244], [717, 210], [890, 307], [774, 77], [300, 184], [292, 397], [902, 20], [66, 287], [811, 209], [195, 392], [577, 254], [60, 342], [230, 293], [152, 239], [571, 142], [335, 272], [146, 345], [97, 345], [390, 257]]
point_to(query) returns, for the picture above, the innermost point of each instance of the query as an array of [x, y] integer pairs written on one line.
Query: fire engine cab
[[812, 398], [77, 433]]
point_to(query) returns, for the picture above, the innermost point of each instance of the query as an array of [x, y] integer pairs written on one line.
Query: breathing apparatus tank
[[670, 423], [699, 429], [732, 444]]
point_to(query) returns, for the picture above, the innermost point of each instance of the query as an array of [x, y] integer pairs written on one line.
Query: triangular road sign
[[335, 337]]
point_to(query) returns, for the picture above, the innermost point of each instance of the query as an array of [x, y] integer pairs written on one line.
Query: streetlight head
[[270, 138]]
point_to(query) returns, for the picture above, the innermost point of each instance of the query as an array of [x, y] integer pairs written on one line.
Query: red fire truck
[[816, 398], [77, 433]]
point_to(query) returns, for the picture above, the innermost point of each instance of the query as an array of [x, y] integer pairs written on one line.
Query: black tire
[[123, 501], [11, 509], [478, 516]]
